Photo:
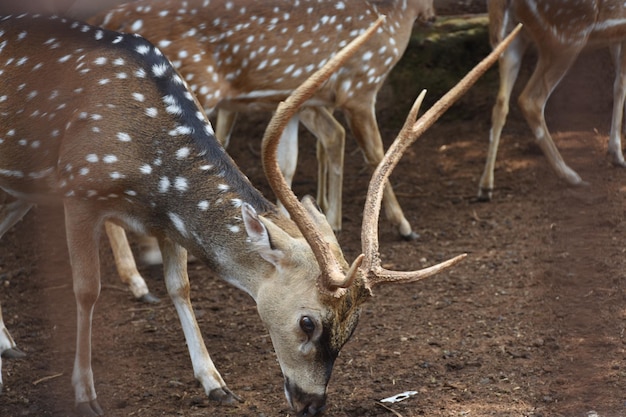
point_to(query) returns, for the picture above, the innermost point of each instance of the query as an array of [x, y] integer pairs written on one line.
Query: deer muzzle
[[305, 404]]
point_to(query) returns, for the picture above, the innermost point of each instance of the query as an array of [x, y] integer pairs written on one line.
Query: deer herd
[[109, 117]]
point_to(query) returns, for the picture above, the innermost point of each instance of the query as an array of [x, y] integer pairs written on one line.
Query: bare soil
[[530, 324]]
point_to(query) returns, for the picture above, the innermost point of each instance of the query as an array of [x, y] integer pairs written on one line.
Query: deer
[[247, 55], [559, 31], [114, 134]]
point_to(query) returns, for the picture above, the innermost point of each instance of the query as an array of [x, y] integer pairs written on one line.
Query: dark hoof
[[484, 195], [411, 236], [224, 396], [149, 299], [13, 353], [89, 409]]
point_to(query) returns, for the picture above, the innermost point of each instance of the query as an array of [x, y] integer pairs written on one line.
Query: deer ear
[[262, 234]]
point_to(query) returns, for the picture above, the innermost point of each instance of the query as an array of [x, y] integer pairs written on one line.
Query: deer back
[[254, 52]]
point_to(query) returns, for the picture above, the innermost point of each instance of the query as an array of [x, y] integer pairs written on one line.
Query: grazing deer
[[248, 55], [113, 133], [560, 31]]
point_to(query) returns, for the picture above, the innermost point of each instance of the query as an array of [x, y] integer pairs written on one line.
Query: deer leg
[[619, 95], [509, 64], [224, 126], [125, 264], [362, 121], [551, 67], [177, 282], [84, 257], [331, 140]]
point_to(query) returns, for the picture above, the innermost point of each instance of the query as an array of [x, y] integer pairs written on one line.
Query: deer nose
[[305, 404]]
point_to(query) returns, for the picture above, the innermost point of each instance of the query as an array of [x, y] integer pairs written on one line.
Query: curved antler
[[332, 278], [371, 268]]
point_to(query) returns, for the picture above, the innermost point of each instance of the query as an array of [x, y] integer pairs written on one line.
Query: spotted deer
[[114, 134], [248, 55], [560, 31]]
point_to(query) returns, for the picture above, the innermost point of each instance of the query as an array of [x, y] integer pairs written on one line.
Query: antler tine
[[332, 276], [371, 267]]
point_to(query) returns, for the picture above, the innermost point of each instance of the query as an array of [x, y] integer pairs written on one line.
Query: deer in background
[[114, 134], [248, 55], [560, 31]]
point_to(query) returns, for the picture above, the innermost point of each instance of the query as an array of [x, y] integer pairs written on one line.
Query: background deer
[[248, 55], [113, 133], [560, 31]]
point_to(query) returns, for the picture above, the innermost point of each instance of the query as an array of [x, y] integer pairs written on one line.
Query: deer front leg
[[177, 282], [82, 242], [125, 264], [331, 141], [508, 64]]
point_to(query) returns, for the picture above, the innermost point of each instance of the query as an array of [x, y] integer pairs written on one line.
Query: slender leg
[[82, 243], [551, 67], [331, 140], [362, 120], [177, 282], [619, 95], [509, 65], [125, 263]]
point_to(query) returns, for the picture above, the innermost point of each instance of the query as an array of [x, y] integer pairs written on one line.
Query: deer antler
[[333, 278], [371, 269]]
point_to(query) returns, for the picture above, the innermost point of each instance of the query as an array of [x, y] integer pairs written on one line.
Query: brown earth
[[530, 324]]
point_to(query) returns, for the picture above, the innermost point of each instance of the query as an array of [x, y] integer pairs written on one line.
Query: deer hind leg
[[362, 121], [10, 214], [177, 282], [331, 141], [619, 95], [125, 264], [84, 257], [551, 67], [509, 65]]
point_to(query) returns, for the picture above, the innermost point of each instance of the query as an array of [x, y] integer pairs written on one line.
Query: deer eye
[[307, 325]]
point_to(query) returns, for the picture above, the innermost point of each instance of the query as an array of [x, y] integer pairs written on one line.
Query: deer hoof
[[13, 353], [224, 396], [411, 236], [149, 299], [89, 409], [484, 195]]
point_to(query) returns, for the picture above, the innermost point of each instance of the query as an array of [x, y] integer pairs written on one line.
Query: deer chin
[[304, 404]]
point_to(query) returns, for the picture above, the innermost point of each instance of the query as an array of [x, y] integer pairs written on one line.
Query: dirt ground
[[531, 324]]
